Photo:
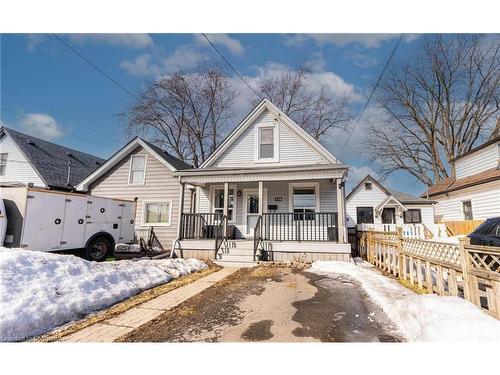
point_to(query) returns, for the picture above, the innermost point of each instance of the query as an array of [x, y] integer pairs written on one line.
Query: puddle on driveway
[[259, 331], [341, 312]]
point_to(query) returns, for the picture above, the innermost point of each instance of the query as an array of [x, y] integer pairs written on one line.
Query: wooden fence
[[448, 269], [456, 228]]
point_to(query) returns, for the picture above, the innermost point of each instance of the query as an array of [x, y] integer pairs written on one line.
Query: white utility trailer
[[48, 220]]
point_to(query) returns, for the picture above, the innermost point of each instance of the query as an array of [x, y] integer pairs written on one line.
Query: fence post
[[464, 261], [368, 238], [401, 261]]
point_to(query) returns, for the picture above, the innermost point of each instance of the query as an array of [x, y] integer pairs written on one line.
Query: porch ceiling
[[204, 176]]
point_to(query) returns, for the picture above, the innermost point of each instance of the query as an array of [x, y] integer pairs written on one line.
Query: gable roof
[[50, 160], [390, 200], [450, 184], [171, 162], [250, 118], [401, 197]]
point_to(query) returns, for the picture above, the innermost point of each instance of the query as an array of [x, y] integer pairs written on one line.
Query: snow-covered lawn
[[418, 317], [39, 291]]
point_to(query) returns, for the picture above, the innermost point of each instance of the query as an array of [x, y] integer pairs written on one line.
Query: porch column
[[226, 206], [340, 211], [181, 209], [261, 198]]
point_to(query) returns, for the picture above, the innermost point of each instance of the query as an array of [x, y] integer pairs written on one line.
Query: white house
[[29, 160], [371, 205], [142, 172], [474, 191], [269, 191]]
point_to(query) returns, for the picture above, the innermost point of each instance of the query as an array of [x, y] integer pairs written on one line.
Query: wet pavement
[[267, 304]]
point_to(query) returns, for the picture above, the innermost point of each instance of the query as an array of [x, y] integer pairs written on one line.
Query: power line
[[231, 66], [96, 67], [374, 89]]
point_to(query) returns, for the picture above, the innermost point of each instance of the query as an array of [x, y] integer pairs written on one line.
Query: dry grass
[[413, 287], [123, 306]]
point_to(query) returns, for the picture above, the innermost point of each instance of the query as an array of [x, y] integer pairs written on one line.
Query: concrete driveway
[[272, 304]]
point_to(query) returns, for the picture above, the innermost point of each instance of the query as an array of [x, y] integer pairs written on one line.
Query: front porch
[[264, 216]]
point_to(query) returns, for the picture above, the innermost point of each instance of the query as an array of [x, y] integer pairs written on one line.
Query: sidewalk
[[111, 329]]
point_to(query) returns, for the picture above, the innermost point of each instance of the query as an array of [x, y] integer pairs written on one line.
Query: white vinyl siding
[[18, 169], [275, 189], [160, 186], [292, 149], [364, 198], [485, 200], [482, 160]]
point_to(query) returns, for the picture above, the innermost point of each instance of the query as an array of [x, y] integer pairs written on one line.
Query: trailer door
[[128, 222], [43, 223], [74, 222]]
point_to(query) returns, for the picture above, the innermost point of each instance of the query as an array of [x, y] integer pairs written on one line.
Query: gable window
[[156, 213], [467, 209], [266, 143], [412, 216], [3, 163], [368, 186], [137, 169], [364, 215], [218, 202]]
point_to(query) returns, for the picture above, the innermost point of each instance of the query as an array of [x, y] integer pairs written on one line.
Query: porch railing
[[299, 226], [219, 235], [257, 237], [200, 226]]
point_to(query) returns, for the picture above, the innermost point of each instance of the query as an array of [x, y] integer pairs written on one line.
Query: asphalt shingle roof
[[408, 198], [51, 160], [172, 160]]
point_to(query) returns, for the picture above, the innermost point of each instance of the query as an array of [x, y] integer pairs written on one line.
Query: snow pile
[[419, 317], [39, 291]]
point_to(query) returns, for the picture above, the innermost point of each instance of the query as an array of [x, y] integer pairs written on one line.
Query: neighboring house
[[269, 188], [143, 172], [378, 207], [29, 160], [474, 192]]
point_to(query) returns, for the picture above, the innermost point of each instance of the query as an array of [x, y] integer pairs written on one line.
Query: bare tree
[[439, 105], [316, 111], [184, 112]]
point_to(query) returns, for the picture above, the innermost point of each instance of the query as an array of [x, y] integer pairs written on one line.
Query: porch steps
[[239, 252]]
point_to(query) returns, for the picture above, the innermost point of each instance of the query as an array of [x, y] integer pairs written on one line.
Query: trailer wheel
[[98, 249]]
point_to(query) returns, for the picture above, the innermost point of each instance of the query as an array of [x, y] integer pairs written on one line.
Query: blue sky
[[48, 91]]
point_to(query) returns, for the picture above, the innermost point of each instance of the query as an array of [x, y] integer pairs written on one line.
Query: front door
[[389, 216], [250, 210]]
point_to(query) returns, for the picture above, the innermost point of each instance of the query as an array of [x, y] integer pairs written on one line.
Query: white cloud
[[141, 66], [359, 58], [340, 40], [185, 58], [41, 125], [232, 44], [135, 41], [33, 40]]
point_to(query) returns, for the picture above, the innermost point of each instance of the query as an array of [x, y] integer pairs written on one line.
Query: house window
[[3, 163], [412, 216], [364, 215], [266, 143], [368, 185], [137, 169], [156, 213], [304, 202], [218, 199], [467, 208]]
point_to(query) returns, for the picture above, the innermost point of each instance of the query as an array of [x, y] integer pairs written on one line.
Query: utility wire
[[374, 89], [97, 68], [232, 67]]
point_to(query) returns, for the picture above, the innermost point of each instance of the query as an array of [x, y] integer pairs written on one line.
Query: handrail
[[257, 236], [219, 235]]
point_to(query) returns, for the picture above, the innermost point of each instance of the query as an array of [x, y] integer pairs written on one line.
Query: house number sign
[[278, 199]]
